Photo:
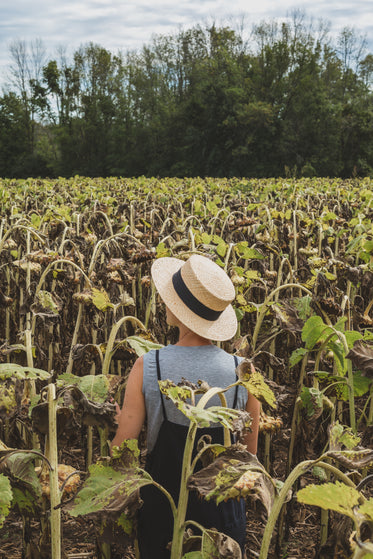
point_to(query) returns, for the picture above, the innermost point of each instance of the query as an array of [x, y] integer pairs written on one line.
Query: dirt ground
[[79, 536], [79, 540]]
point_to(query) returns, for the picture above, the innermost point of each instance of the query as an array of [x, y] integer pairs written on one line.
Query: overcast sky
[[128, 24]]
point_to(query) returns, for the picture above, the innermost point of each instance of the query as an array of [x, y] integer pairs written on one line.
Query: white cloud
[[128, 24]]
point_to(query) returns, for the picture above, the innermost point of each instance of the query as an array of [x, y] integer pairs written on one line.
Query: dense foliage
[[202, 102], [78, 306]]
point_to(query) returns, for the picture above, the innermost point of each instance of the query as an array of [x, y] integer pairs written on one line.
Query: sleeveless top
[[208, 363]]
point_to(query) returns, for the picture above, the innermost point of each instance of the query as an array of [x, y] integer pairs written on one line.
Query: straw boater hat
[[198, 292]]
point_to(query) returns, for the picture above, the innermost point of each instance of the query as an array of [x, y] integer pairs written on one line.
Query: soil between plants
[[79, 536], [79, 540]]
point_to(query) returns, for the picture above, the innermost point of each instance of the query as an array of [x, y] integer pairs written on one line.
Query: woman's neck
[[189, 338]]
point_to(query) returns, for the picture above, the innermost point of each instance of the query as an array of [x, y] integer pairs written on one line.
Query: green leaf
[[19, 468], [46, 303], [6, 496], [175, 393], [330, 216], [218, 240], [353, 458], [10, 398], [240, 299], [247, 253], [340, 324], [352, 336], [24, 502], [101, 299], [239, 313], [216, 545], [361, 387], [338, 351], [162, 250], [367, 509], [200, 416], [367, 245], [252, 274], [234, 473], [314, 331], [142, 345], [127, 454], [206, 238], [312, 400], [126, 524], [108, 490], [340, 435], [35, 220], [337, 496], [330, 276], [320, 473], [254, 383], [361, 357], [198, 207], [94, 387], [297, 356], [193, 555], [221, 249], [12, 370], [212, 207]]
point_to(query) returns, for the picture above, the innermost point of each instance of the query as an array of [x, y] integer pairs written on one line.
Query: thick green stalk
[[370, 416], [351, 397], [92, 372], [350, 379], [104, 217], [9, 232], [132, 219], [75, 337], [7, 311], [139, 289], [104, 436], [264, 307], [299, 470], [187, 470], [100, 245], [53, 474], [227, 256], [192, 240], [51, 265], [295, 233], [150, 305], [179, 520], [363, 550], [113, 334]]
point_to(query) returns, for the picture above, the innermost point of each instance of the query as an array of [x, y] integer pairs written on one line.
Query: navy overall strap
[[236, 391], [159, 378]]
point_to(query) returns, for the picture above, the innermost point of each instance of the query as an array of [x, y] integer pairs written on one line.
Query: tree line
[[206, 101]]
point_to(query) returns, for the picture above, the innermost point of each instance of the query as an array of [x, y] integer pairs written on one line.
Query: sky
[[122, 25]]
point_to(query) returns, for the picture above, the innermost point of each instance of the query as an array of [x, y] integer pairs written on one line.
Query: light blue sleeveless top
[[209, 363]]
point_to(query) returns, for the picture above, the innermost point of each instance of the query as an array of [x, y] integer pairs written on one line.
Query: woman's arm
[[132, 415], [251, 438]]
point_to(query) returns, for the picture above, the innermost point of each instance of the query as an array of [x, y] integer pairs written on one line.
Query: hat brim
[[224, 328]]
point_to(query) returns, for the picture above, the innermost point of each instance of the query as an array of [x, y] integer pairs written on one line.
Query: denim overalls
[[155, 521]]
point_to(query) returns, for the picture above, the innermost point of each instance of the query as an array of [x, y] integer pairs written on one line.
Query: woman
[[197, 294]]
